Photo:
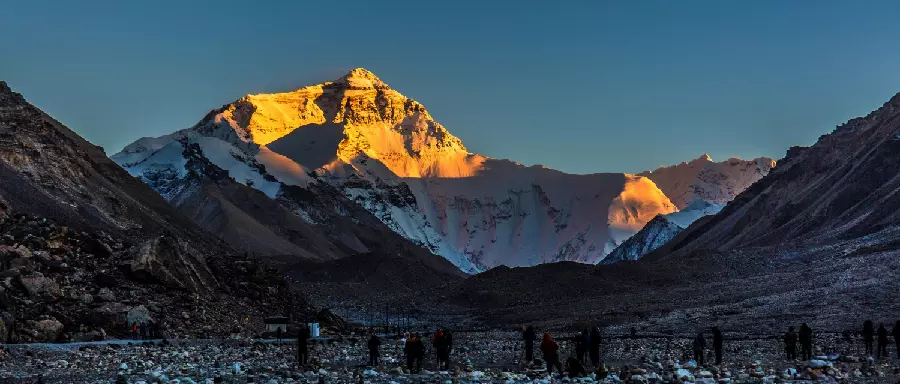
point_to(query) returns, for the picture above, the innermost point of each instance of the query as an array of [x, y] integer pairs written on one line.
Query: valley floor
[[478, 357]]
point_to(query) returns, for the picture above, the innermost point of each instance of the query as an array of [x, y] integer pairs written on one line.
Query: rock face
[[78, 233], [386, 153], [41, 288], [171, 262]]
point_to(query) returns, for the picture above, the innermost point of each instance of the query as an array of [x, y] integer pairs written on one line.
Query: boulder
[[104, 294], [171, 262], [138, 314], [46, 330], [40, 287]]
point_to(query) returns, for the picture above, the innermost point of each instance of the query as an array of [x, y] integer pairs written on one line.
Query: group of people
[[587, 344], [414, 349], [869, 335], [146, 331], [699, 346]]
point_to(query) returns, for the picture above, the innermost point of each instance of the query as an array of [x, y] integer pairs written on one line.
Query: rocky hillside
[[843, 187], [385, 151], [93, 244]]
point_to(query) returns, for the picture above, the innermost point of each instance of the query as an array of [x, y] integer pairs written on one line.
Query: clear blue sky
[[578, 86]]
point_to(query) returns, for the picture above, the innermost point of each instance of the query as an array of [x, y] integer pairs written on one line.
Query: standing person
[[581, 346], [414, 350], [594, 346], [278, 334], [882, 341], [717, 344], [896, 333], [550, 349], [440, 347], [869, 336], [374, 345], [302, 345], [529, 337], [790, 344], [448, 340], [699, 347], [806, 342], [134, 330], [143, 328]]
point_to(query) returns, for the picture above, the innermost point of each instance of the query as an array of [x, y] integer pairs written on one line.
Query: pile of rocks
[[57, 284]]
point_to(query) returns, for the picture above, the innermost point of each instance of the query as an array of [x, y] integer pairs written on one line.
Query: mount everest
[[386, 153]]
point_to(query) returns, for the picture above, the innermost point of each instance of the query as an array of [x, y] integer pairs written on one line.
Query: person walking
[[717, 344], [550, 349], [374, 344], [594, 346], [699, 347], [869, 336], [806, 335], [440, 347], [790, 344], [528, 336], [581, 345], [896, 333], [882, 341], [302, 345]]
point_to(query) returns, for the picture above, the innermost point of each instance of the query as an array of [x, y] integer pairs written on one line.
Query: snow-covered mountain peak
[[361, 78], [714, 182], [385, 152]]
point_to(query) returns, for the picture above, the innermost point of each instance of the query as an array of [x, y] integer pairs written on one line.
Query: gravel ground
[[478, 357]]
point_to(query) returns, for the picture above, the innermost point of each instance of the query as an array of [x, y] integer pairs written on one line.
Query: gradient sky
[[583, 87]]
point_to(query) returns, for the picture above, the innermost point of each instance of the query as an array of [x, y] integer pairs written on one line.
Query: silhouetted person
[[594, 346], [699, 347], [869, 336], [717, 344], [151, 328], [374, 345], [414, 350], [805, 337], [581, 345], [790, 344], [574, 367], [896, 333], [143, 328], [882, 341], [134, 331], [302, 345], [448, 340], [278, 334], [529, 337], [440, 347], [550, 349]]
